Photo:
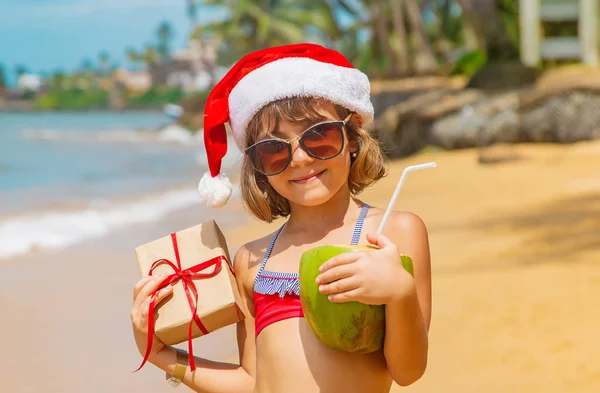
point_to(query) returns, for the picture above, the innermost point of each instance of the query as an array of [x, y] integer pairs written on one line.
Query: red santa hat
[[264, 76]]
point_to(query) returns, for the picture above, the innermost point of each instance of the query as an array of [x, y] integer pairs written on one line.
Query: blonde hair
[[261, 199]]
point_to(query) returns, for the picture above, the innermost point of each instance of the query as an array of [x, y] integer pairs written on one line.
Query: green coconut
[[349, 326]]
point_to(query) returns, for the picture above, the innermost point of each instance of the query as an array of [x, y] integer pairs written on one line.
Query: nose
[[299, 156]]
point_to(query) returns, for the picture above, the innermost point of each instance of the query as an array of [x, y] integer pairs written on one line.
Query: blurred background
[[101, 107]]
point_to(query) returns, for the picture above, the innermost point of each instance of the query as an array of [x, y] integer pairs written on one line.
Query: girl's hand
[[370, 277], [142, 292]]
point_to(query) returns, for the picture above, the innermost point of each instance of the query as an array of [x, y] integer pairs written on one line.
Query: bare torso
[[289, 357]]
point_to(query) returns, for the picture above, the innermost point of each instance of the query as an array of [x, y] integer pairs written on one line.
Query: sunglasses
[[322, 141]]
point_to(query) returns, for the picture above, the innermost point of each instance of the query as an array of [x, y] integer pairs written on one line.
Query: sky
[[46, 35]]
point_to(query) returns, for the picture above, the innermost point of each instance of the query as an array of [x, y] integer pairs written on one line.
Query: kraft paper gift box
[[219, 302]]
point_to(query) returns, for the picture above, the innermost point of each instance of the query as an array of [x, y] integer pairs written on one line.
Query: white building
[[29, 82], [536, 47]]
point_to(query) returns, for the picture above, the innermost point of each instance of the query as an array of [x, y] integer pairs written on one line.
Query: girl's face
[[309, 181]]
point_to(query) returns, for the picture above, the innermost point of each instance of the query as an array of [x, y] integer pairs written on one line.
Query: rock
[[405, 128], [566, 118], [386, 93], [469, 118], [503, 75], [491, 120]]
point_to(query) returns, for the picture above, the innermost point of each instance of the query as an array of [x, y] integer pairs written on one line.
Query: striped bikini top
[[276, 295]]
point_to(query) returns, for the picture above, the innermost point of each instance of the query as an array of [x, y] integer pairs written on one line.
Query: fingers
[[348, 296], [148, 287], [339, 286], [160, 296], [380, 240], [163, 293], [341, 259], [336, 273], [139, 285], [144, 295]]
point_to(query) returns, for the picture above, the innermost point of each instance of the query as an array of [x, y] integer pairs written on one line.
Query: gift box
[[198, 266]]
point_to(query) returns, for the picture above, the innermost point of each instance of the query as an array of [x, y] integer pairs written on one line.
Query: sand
[[516, 283]]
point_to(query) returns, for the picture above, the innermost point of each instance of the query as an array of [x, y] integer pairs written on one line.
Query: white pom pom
[[214, 191]]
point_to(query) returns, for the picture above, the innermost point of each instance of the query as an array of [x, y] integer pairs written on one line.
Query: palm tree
[[425, 61], [87, 66], [20, 70], [2, 78], [379, 19], [401, 48], [485, 29], [103, 62], [256, 24], [373, 34], [192, 13], [151, 56], [384, 22], [165, 34], [134, 57]]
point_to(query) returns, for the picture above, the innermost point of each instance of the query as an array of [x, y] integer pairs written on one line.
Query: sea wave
[[61, 227], [173, 134]]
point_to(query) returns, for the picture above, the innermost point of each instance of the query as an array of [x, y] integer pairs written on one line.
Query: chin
[[312, 198]]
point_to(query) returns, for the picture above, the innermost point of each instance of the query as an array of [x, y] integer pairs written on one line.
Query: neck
[[325, 217]]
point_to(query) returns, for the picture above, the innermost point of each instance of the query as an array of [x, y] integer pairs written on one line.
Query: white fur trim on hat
[[214, 191], [294, 77]]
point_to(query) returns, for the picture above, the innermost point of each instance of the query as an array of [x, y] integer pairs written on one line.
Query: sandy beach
[[516, 283]]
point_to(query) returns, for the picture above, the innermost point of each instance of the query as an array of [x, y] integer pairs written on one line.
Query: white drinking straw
[[408, 169]]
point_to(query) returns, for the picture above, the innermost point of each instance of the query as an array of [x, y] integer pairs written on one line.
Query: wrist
[[403, 291], [164, 359], [175, 377]]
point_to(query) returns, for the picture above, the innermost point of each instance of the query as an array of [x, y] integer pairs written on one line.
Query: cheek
[[338, 168], [279, 185], [341, 162]]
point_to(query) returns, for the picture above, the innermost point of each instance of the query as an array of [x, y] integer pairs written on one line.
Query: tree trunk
[[485, 22], [474, 35], [402, 45], [383, 36], [425, 61]]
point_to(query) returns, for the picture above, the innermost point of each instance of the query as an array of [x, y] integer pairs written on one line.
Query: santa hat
[[300, 70]]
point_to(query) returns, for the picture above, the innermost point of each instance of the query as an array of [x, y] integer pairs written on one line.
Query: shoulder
[[248, 257], [400, 223], [405, 229], [406, 223]]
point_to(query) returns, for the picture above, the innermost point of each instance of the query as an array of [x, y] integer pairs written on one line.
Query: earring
[[353, 155]]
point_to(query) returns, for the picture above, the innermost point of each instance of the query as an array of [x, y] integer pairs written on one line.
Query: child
[[297, 112]]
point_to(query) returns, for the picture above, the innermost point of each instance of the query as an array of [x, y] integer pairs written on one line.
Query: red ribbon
[[186, 276]]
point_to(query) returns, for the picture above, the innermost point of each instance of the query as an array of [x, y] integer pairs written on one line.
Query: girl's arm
[[408, 317], [219, 377]]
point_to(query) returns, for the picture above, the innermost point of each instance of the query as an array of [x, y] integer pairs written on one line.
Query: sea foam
[[59, 228]]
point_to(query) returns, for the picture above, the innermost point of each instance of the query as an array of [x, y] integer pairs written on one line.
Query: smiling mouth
[[309, 178]]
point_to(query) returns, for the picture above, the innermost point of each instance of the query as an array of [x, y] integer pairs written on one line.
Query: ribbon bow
[[186, 276]]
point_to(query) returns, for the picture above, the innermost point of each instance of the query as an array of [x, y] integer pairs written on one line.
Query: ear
[[353, 146]]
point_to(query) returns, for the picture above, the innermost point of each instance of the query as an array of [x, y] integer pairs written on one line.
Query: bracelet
[[180, 368]]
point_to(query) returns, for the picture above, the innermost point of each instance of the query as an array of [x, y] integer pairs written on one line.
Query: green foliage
[[72, 99], [164, 35], [2, 76], [509, 10], [469, 63], [155, 97]]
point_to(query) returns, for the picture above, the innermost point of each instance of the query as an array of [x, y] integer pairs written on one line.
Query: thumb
[[379, 240]]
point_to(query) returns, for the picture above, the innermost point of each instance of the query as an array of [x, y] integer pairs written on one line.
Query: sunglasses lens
[[324, 141], [270, 156]]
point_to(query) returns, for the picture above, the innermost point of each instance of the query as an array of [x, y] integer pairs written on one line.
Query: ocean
[[69, 176]]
